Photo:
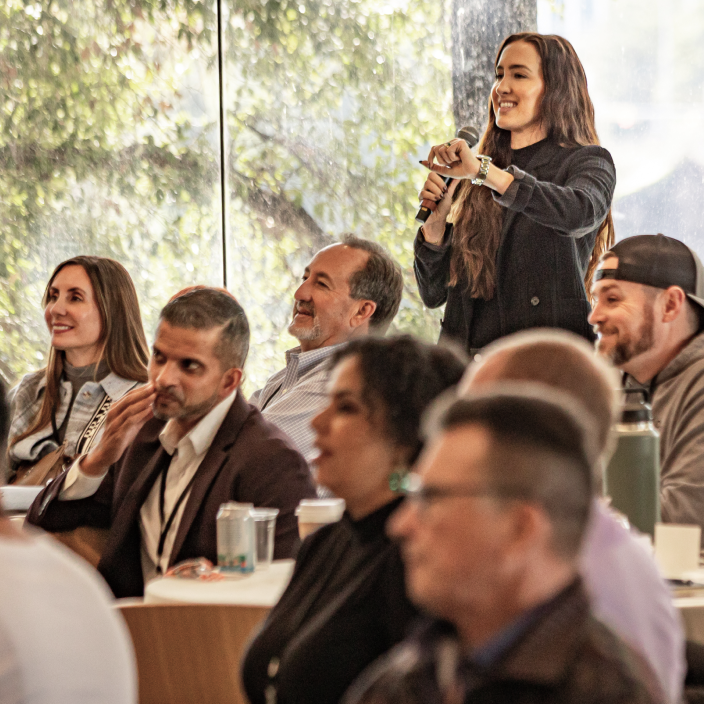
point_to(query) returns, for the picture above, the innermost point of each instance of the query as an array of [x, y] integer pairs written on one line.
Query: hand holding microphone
[[454, 158]]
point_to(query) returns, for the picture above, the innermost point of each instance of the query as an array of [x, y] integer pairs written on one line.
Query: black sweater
[[345, 605], [552, 213]]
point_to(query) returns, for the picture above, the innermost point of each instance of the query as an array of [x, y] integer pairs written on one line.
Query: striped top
[[295, 394], [85, 423]]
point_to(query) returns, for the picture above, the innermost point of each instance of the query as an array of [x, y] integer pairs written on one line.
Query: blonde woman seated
[[98, 353]]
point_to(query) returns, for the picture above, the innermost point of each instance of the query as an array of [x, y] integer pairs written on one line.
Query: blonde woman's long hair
[[124, 344], [567, 111]]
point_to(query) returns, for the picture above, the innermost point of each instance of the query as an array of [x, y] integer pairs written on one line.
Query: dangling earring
[[398, 480]]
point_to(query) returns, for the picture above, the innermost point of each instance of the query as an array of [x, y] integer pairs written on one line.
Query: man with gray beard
[[349, 289], [648, 313]]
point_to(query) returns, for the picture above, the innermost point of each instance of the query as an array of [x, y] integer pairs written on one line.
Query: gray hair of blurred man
[[540, 450], [562, 361]]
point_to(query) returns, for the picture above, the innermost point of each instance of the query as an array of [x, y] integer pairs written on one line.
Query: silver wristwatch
[[483, 170]]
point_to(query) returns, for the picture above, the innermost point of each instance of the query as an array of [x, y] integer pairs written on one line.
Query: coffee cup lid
[[320, 510], [262, 514]]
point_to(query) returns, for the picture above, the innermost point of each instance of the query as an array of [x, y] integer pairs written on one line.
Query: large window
[[112, 141], [111, 145], [646, 77], [329, 106]]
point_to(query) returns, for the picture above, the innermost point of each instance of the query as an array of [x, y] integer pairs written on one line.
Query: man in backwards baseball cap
[[648, 313]]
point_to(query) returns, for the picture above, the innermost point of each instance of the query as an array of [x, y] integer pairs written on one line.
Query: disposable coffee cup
[[313, 513], [677, 549], [264, 530]]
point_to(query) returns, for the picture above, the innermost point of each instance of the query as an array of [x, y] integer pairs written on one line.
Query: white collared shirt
[[187, 454]]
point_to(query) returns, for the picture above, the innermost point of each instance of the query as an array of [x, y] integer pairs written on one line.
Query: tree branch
[[300, 151], [32, 157], [286, 215]]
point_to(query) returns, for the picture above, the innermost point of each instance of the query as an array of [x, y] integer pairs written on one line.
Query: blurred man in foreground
[[648, 314], [624, 584], [490, 537]]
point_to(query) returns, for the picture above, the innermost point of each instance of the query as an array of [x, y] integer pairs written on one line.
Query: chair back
[[85, 541], [190, 653]]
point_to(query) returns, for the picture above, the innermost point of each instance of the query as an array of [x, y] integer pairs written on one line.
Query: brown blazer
[[250, 460], [561, 654]]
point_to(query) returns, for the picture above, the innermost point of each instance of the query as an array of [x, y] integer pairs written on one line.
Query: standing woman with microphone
[[514, 238]]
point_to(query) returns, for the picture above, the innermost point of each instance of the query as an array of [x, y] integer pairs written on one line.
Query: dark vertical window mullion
[[223, 139]]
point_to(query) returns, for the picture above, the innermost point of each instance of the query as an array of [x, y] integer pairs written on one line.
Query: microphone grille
[[469, 134]]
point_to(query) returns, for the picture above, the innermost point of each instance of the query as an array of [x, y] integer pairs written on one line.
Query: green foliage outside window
[[110, 145]]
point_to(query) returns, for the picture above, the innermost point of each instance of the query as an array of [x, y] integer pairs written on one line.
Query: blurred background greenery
[[111, 140]]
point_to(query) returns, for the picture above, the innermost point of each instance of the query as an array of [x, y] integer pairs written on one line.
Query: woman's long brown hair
[[567, 111], [124, 344]]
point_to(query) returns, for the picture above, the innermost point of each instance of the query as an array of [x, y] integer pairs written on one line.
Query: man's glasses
[[423, 496]]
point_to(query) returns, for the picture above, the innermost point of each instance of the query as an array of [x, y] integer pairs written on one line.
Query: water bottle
[[632, 477]]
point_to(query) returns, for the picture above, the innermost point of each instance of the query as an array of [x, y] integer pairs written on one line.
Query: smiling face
[[323, 312], [187, 374], [624, 319], [356, 457], [73, 317], [518, 92]]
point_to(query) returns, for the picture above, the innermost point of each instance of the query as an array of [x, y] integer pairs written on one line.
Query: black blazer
[[250, 460], [346, 604], [553, 211]]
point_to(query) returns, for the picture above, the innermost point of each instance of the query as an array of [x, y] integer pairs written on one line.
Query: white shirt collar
[[201, 435]]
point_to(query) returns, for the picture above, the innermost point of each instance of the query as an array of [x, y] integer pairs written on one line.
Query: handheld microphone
[[471, 136]]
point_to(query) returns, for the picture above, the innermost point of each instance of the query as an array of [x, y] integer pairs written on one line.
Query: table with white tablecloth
[[263, 587], [690, 603], [692, 610], [190, 635]]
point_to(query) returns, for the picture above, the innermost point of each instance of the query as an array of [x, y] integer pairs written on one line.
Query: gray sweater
[[678, 413]]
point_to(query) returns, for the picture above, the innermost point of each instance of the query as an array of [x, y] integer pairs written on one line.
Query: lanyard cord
[[166, 528], [54, 429]]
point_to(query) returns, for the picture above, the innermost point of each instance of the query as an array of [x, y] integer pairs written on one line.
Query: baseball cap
[[659, 261]]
